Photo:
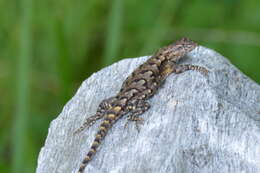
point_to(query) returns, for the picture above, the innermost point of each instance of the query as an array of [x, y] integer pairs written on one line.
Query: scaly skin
[[136, 89]]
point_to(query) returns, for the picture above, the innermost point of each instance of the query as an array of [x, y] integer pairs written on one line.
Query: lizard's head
[[177, 50]]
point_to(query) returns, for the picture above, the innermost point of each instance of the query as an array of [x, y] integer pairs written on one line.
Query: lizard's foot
[[138, 121]]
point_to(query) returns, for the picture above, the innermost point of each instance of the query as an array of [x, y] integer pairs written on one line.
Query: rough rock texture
[[196, 124]]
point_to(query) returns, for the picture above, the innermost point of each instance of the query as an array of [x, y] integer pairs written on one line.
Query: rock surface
[[196, 124]]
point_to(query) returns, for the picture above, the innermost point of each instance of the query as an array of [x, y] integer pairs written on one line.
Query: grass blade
[[113, 33], [22, 90]]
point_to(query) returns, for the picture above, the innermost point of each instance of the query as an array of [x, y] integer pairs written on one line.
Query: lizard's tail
[[103, 128]]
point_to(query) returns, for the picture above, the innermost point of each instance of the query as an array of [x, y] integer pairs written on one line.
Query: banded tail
[[103, 129]]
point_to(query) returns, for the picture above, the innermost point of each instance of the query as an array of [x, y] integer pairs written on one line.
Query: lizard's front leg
[[171, 67], [185, 67]]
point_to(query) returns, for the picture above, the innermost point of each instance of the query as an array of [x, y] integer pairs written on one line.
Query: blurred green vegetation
[[47, 48]]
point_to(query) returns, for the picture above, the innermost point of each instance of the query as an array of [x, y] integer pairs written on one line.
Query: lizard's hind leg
[[137, 109], [103, 107], [89, 122]]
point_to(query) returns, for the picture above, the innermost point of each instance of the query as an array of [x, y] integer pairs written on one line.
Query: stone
[[196, 124]]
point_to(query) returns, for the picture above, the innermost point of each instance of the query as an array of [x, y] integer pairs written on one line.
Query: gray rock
[[196, 124]]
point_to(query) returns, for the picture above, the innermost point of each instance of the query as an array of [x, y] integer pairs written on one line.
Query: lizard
[[138, 87]]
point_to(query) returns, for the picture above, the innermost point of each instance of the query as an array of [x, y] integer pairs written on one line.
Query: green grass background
[[47, 48]]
